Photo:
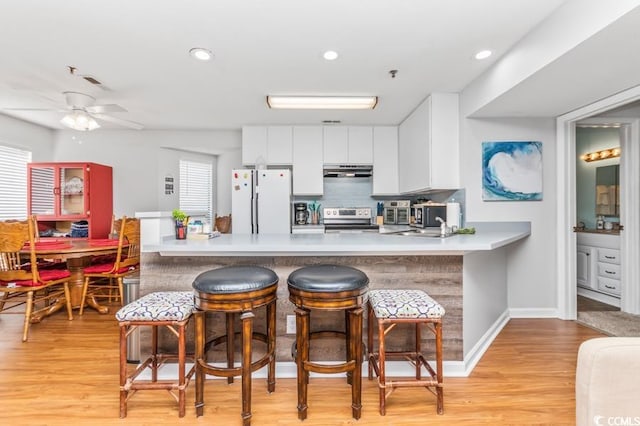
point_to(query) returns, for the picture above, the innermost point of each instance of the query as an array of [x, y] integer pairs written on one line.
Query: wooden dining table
[[78, 255]]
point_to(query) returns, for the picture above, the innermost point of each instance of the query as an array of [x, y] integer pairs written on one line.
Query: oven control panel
[[347, 213]]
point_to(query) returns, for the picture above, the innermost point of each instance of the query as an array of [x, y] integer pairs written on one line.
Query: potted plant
[[181, 220]]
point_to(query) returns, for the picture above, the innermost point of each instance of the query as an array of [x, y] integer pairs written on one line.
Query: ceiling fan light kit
[[79, 120], [322, 102]]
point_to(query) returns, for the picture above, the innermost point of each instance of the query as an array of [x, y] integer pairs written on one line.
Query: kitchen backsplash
[[356, 192]]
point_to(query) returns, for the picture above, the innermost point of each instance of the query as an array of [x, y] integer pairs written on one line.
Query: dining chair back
[[22, 283], [102, 278]]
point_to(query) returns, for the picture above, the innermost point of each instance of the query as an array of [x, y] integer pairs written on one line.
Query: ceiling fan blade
[[101, 109], [119, 121], [33, 109]]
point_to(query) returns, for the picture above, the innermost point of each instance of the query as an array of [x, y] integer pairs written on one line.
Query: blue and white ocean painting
[[512, 171]]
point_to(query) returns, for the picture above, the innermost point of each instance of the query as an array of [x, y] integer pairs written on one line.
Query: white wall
[[20, 134], [531, 269], [142, 159]]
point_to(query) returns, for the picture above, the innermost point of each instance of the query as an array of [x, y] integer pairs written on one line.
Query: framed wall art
[[512, 171]]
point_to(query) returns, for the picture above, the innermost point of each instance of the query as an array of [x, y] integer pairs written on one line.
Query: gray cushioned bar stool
[[235, 290], [329, 288]]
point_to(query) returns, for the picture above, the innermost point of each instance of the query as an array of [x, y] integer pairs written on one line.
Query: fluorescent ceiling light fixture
[[483, 54], [322, 102], [330, 55], [79, 120], [201, 54]]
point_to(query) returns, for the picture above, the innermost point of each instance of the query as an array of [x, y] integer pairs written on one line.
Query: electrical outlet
[[291, 324]]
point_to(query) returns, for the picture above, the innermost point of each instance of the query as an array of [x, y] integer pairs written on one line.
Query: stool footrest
[[330, 369]]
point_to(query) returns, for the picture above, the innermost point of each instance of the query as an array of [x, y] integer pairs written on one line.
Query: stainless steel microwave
[[424, 215]]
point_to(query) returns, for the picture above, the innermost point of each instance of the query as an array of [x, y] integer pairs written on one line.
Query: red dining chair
[[102, 278], [22, 282]]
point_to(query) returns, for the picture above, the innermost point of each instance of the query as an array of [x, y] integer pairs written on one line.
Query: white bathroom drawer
[[609, 286], [609, 255], [608, 270]]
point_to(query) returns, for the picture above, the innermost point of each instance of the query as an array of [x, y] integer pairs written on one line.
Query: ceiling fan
[[82, 113]]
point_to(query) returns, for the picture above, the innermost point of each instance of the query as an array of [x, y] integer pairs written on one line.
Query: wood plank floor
[[67, 374]]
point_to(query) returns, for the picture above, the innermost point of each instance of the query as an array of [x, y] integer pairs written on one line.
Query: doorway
[[630, 202]]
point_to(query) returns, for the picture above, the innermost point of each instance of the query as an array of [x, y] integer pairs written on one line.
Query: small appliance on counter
[[300, 213], [397, 212], [425, 214]]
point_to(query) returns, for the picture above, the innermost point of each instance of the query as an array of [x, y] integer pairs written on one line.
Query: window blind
[[196, 187], [13, 182]]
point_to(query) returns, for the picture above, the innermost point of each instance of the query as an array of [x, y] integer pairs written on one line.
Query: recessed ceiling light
[[330, 55], [483, 54], [201, 54]]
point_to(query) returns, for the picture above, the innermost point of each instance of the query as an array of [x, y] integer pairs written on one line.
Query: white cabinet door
[[413, 150], [428, 145], [254, 144], [385, 160], [583, 263], [335, 141], [279, 145], [360, 145], [307, 160]]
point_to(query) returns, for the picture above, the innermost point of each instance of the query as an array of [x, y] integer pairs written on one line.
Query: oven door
[[430, 214], [390, 216], [402, 215]]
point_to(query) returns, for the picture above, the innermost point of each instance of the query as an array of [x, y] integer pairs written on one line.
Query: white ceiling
[[139, 51]]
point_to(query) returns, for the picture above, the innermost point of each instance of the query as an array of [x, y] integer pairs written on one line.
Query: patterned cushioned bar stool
[[235, 290], [329, 288], [173, 310], [390, 308]]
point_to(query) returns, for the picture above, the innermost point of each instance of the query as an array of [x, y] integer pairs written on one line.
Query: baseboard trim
[[533, 313]]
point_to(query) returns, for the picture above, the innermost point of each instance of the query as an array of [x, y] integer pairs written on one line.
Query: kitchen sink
[[430, 233]]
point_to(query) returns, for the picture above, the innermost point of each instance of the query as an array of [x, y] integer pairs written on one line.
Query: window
[[196, 183], [13, 182]]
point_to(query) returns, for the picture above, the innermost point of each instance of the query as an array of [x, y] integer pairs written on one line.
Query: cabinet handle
[[609, 287], [609, 257], [609, 272]]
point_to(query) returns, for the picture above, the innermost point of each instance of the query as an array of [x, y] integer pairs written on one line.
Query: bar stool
[[390, 308], [329, 288], [171, 309], [235, 290]]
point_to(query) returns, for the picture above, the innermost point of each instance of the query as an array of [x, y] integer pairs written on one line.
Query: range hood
[[348, 170]]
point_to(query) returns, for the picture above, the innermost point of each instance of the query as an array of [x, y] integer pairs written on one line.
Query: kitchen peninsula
[[467, 274]]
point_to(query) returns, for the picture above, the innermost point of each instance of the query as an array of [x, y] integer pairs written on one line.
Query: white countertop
[[488, 236]]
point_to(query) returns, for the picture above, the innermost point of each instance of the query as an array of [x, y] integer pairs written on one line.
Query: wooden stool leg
[[439, 373], [182, 358], [271, 345], [302, 356], [370, 339], [230, 342], [199, 360], [348, 332], [154, 353], [123, 371], [417, 350], [381, 367], [247, 333], [355, 351]]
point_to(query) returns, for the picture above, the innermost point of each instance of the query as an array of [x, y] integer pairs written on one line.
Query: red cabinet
[[60, 194]]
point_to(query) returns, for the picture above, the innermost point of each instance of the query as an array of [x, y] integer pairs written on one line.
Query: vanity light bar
[[601, 155]]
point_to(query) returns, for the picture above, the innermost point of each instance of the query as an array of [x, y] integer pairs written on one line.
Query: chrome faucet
[[443, 226]]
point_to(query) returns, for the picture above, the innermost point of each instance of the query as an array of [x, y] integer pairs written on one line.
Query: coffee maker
[[300, 213]]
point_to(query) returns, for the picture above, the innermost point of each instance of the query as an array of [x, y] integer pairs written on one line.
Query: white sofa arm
[[608, 382]]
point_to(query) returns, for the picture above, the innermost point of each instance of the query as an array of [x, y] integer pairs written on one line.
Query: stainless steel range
[[348, 220]]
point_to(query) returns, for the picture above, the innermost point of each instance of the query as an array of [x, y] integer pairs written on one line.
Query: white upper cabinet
[[307, 160], [385, 160], [254, 144], [272, 145], [280, 145], [428, 145], [348, 144]]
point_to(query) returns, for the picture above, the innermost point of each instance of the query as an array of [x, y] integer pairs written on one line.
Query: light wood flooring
[[586, 304], [67, 374]]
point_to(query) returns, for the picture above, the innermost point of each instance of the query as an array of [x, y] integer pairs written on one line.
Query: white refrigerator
[[261, 201]]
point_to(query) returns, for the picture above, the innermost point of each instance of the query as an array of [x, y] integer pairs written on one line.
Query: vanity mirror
[[608, 191]]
